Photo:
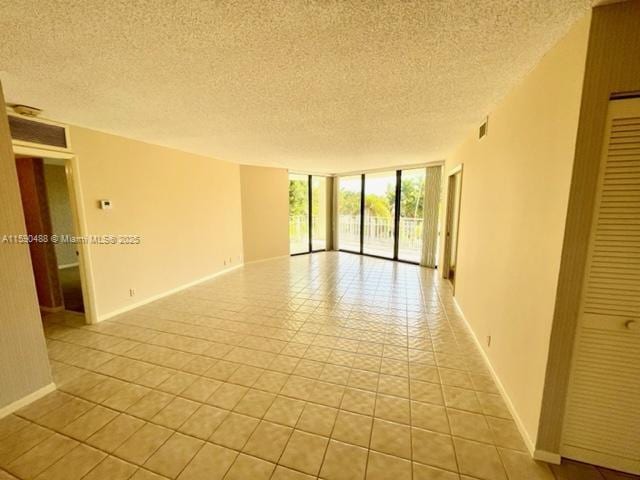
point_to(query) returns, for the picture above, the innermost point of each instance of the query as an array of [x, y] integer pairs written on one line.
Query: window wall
[[382, 214], [308, 213]]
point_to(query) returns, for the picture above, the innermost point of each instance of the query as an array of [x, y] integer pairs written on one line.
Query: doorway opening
[[46, 196], [452, 221]]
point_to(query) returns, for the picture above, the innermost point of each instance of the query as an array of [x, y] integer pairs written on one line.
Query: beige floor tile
[[322, 347], [461, 399], [64, 415], [344, 462], [246, 467], [41, 456], [298, 387], [234, 431], [521, 465], [115, 433], [394, 409], [143, 443], [175, 413], [505, 433], [387, 467], [173, 455], [104, 390], [126, 397], [433, 449], [317, 419], [74, 465], [111, 468], [177, 383], [204, 421], [328, 394], [493, 405], [149, 405], [479, 460], [353, 428], [425, 472], [142, 474], [394, 385], [227, 396], [11, 424], [52, 401], [358, 401], [391, 438], [469, 425], [21, 442], [255, 403], [89, 423], [570, 470], [456, 378], [201, 389], [304, 452], [211, 463], [268, 441], [271, 382], [284, 473], [429, 417], [285, 410], [426, 392]]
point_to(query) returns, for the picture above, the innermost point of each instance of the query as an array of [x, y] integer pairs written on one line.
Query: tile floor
[[330, 366]]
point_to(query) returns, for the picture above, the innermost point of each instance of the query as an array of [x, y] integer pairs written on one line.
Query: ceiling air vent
[[35, 131], [482, 132]]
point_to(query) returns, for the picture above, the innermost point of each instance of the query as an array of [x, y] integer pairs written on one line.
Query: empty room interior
[[336, 240]]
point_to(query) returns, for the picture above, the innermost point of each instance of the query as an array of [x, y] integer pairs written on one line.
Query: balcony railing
[[378, 234]]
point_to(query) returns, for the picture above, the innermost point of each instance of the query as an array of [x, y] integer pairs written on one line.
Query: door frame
[[72, 171], [451, 224], [310, 220]]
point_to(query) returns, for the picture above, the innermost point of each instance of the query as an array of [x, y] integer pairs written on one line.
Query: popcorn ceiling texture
[[327, 86]]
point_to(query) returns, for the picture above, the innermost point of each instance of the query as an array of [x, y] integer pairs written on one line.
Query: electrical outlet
[[488, 340], [132, 292]]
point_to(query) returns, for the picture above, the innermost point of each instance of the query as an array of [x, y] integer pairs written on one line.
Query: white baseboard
[[24, 401], [68, 265], [266, 259], [507, 400], [153, 298], [548, 457]]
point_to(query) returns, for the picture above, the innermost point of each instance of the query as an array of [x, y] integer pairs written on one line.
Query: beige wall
[[515, 189], [186, 209], [60, 211], [24, 366], [265, 212]]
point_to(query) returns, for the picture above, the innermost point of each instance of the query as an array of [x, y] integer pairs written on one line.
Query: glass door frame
[[310, 206], [396, 221]]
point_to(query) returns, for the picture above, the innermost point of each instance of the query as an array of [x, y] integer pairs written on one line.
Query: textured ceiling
[[325, 86]]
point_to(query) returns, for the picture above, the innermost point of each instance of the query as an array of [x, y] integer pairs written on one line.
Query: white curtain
[[433, 183]]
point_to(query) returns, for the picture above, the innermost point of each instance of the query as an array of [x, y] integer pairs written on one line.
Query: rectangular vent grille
[[482, 132], [37, 132]]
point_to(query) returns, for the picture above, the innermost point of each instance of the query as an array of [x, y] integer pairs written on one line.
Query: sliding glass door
[[307, 213], [379, 214], [299, 214], [349, 213], [382, 214], [411, 214]]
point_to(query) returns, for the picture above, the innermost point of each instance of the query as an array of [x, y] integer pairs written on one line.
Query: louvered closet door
[[602, 420]]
